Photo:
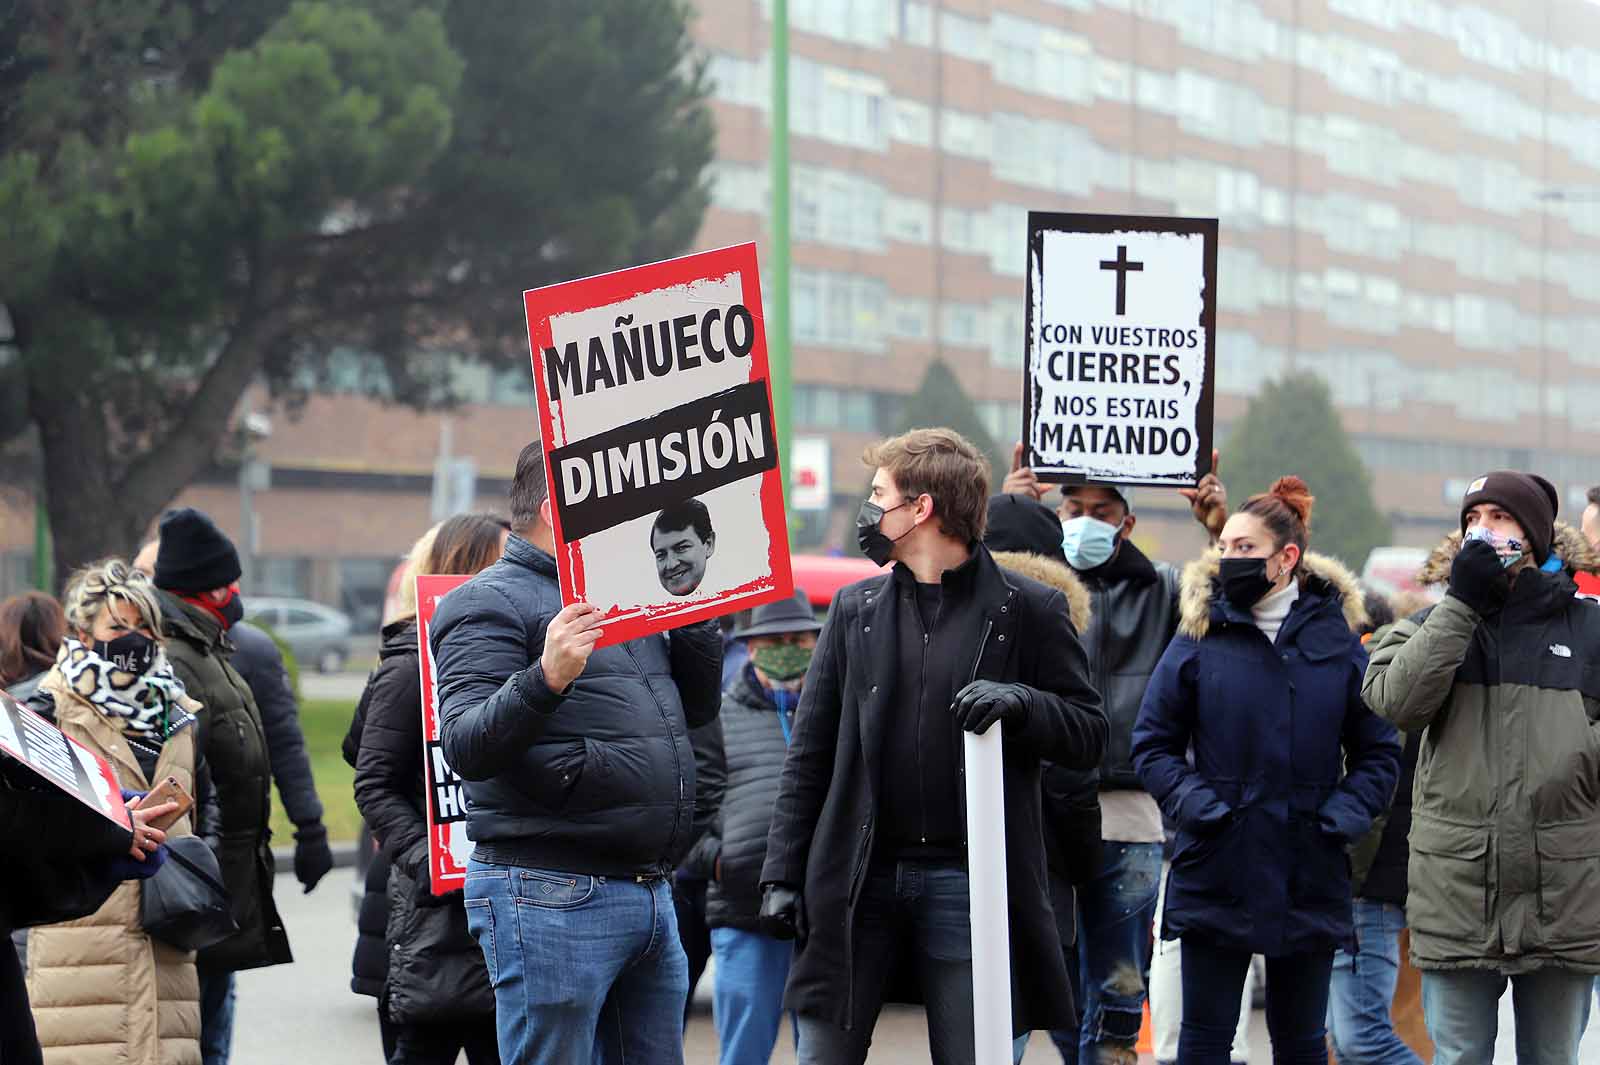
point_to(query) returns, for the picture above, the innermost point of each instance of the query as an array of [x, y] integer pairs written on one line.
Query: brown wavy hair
[[32, 626], [946, 466]]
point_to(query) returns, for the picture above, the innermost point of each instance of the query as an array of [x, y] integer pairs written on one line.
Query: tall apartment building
[[1409, 195]]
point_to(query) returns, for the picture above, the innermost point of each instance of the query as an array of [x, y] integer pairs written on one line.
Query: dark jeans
[[19, 1043], [920, 909], [439, 1044], [1297, 1004], [216, 1016]]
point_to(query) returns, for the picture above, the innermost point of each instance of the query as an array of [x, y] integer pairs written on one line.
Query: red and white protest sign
[[662, 460], [448, 845], [58, 759]]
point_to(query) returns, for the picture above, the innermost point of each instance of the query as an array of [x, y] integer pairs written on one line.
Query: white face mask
[[1088, 542]]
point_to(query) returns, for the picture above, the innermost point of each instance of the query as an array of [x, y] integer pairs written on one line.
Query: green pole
[[44, 578], [779, 349]]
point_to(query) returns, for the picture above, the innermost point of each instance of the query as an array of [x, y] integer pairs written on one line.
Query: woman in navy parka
[[1262, 685]]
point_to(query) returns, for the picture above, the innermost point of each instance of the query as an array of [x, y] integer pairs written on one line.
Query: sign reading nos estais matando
[[662, 461], [1121, 348]]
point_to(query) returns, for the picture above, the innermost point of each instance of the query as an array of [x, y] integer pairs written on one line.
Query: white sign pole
[[991, 925]]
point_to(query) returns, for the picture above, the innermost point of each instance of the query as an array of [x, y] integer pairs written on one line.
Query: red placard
[[660, 453], [60, 760], [448, 845]]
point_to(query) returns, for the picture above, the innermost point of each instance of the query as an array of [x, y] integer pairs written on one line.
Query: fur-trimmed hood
[[1199, 578], [1569, 544], [1055, 574]]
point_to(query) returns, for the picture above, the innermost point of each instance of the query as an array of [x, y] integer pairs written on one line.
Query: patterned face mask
[[1509, 548], [783, 661], [145, 703]]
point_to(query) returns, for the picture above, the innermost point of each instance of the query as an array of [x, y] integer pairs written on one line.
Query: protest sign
[[448, 845], [660, 451], [60, 760], [1121, 348]]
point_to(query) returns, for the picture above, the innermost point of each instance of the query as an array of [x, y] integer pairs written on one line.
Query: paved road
[[306, 1013]]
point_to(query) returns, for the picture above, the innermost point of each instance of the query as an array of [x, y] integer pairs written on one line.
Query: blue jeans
[[216, 1016], [1462, 1007], [1115, 915], [1362, 990], [585, 968], [919, 908], [747, 1001]]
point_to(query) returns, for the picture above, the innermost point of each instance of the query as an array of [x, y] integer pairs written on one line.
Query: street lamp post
[[255, 476]]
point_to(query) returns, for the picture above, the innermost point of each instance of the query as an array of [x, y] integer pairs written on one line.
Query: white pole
[[991, 925]]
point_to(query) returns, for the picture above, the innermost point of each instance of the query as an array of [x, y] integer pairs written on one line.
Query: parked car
[[318, 635], [1392, 570]]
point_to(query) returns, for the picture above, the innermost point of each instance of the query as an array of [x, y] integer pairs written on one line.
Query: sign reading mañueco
[[660, 452], [1121, 348]]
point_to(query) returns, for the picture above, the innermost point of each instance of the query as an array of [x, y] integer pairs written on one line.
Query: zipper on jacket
[[922, 693], [677, 761]]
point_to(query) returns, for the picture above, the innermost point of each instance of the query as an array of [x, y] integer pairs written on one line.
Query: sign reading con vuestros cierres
[[1121, 348]]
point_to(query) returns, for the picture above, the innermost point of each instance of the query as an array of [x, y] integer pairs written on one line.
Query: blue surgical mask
[[1509, 548], [1088, 542]]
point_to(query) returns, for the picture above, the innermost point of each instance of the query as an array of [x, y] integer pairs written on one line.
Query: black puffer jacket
[[435, 968], [598, 780], [369, 965], [754, 749], [1134, 614]]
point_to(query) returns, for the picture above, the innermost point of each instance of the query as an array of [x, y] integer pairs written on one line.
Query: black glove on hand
[[1478, 579], [783, 914], [313, 858], [983, 702]]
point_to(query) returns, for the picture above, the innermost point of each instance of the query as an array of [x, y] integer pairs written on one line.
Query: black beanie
[[195, 556], [1529, 498], [1017, 523]]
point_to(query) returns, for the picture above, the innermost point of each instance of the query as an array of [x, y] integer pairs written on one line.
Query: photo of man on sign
[[683, 541]]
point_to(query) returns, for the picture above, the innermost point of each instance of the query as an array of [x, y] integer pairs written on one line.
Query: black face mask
[[874, 543], [1244, 581], [232, 611], [132, 652]]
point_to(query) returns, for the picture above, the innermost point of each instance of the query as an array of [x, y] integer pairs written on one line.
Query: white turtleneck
[[1271, 609]]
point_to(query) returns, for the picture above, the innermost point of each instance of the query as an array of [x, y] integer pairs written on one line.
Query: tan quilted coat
[[104, 992]]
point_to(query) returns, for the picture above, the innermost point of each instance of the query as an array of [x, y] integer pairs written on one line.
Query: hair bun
[[1296, 496]]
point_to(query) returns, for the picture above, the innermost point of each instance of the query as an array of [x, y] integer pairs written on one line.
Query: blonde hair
[[92, 589], [416, 562]]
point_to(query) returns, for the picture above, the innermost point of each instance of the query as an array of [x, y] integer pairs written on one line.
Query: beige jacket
[[104, 992]]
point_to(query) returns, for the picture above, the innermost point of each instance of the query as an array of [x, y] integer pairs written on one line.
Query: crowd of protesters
[[1249, 756]]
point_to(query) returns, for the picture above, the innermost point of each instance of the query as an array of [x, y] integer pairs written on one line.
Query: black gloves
[[313, 858], [783, 913], [983, 702], [1478, 579]]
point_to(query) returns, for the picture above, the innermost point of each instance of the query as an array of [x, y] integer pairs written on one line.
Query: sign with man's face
[[656, 418], [683, 541]]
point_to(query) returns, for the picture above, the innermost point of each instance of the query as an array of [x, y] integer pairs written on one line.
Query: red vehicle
[[823, 575]]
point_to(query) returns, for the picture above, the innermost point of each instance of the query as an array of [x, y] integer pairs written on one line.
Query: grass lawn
[[325, 721]]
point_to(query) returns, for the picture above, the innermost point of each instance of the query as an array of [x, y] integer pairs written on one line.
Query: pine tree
[[941, 402], [1292, 427]]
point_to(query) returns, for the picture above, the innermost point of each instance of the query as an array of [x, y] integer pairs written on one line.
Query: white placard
[[1121, 348]]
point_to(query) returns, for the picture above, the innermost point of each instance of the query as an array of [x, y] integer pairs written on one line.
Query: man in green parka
[[1503, 679]]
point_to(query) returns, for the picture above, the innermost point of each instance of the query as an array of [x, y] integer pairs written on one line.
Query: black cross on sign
[[1122, 266]]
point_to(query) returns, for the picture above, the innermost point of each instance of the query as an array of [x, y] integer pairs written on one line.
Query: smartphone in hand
[[169, 790]]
